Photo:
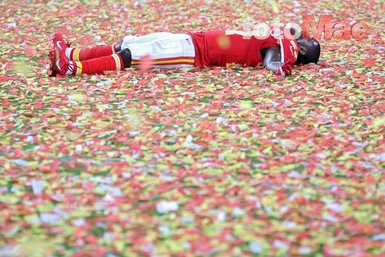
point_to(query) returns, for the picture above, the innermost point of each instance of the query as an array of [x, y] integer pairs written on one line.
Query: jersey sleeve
[[289, 50]]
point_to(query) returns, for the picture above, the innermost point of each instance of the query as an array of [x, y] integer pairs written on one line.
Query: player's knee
[[126, 56]]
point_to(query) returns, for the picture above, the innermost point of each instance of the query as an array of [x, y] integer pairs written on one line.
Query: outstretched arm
[[272, 62]]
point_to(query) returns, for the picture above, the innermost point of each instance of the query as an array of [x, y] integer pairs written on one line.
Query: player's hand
[[284, 70]]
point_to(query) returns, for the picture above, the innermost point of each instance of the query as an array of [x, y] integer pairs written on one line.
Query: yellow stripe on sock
[[117, 62], [113, 49], [79, 68], [76, 54]]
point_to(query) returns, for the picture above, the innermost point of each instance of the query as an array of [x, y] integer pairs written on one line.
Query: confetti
[[166, 206], [212, 162]]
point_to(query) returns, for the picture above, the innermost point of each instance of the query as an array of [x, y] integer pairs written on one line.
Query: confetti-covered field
[[212, 162]]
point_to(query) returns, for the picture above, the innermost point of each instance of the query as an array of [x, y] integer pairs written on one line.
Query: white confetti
[[134, 133], [237, 212], [258, 204], [255, 247], [20, 162], [221, 121], [294, 174], [280, 244], [335, 207], [164, 229], [104, 83], [380, 157], [167, 206], [49, 218], [221, 216], [379, 237], [304, 250], [330, 218], [37, 187], [78, 148]]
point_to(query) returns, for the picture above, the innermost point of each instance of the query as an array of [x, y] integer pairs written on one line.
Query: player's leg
[[114, 62], [81, 54], [60, 64], [165, 50], [144, 39]]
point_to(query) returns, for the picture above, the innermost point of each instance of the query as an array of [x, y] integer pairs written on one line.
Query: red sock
[[81, 54], [112, 62]]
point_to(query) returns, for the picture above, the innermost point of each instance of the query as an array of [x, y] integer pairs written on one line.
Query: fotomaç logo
[[336, 30], [310, 28]]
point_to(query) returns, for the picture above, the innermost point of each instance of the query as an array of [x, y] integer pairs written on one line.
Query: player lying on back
[[200, 49]]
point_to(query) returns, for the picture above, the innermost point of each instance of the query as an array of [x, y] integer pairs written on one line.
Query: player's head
[[309, 50]]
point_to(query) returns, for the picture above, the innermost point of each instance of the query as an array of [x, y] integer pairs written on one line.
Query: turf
[[213, 162]]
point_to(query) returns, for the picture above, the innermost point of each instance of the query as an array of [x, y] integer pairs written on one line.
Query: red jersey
[[218, 48]]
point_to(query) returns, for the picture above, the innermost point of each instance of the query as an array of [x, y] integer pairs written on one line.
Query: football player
[[200, 49]]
